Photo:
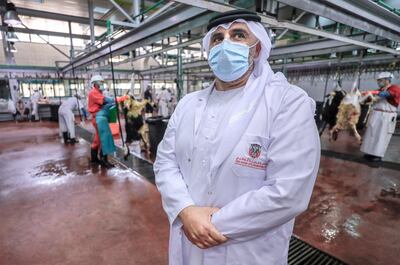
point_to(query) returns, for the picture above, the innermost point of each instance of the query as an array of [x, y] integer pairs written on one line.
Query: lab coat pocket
[[392, 124], [250, 157]]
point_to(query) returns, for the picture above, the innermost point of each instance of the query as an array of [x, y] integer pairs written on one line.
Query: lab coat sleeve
[[293, 161], [169, 179]]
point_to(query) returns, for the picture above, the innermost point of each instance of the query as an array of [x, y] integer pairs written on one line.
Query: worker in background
[[99, 107], [106, 138], [148, 95], [163, 100], [134, 121], [22, 109], [106, 91], [382, 120], [83, 109], [35, 98], [239, 159], [66, 118], [172, 101], [95, 102], [15, 94]]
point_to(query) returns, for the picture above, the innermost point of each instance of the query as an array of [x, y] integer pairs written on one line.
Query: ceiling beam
[[273, 22], [180, 18], [353, 16], [58, 16]]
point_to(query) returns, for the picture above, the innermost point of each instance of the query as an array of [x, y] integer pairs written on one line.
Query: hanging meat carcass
[[349, 114], [331, 108]]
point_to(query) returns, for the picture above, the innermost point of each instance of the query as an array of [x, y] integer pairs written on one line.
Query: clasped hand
[[198, 228]]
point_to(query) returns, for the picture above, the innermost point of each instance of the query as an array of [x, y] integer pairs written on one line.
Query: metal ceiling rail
[[171, 21], [272, 22], [311, 48], [375, 59], [317, 44], [353, 16]]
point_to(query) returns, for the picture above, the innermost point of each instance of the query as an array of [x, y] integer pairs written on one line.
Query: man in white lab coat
[[66, 118], [382, 120], [163, 100], [239, 159], [35, 98]]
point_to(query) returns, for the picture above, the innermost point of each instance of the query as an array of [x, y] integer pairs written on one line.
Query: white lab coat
[[36, 96], [258, 197], [66, 117], [380, 128], [164, 98]]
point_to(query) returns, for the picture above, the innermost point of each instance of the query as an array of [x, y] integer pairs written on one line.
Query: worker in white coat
[[35, 98], [239, 159], [382, 120], [163, 99], [66, 118]]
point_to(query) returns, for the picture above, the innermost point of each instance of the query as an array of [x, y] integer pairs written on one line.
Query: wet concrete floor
[[57, 209], [354, 214]]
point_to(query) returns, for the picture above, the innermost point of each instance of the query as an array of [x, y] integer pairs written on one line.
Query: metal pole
[[91, 22], [179, 82], [115, 97], [6, 45], [326, 84], [136, 10], [71, 51], [76, 92]]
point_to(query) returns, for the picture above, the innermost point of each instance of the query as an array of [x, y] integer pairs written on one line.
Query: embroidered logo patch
[[255, 150], [253, 160]]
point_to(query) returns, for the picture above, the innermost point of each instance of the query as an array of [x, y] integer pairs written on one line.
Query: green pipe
[[388, 7], [108, 24], [149, 9]]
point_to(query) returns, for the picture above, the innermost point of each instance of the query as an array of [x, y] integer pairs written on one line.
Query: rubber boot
[[65, 137], [73, 141], [104, 162], [94, 156]]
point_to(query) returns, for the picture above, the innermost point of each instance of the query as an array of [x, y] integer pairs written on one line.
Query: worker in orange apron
[[98, 106], [95, 102]]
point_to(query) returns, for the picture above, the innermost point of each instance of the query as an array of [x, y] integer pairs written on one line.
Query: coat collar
[[201, 105]]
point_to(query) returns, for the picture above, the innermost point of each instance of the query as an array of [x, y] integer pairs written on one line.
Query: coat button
[[189, 160], [209, 193]]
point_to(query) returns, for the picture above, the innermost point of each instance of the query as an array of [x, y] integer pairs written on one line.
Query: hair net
[[258, 30], [385, 75]]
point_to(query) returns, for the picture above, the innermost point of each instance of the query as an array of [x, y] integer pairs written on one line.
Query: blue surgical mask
[[229, 60], [102, 87], [381, 84]]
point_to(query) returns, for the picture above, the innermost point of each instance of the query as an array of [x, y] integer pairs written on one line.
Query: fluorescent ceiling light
[[100, 10]]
